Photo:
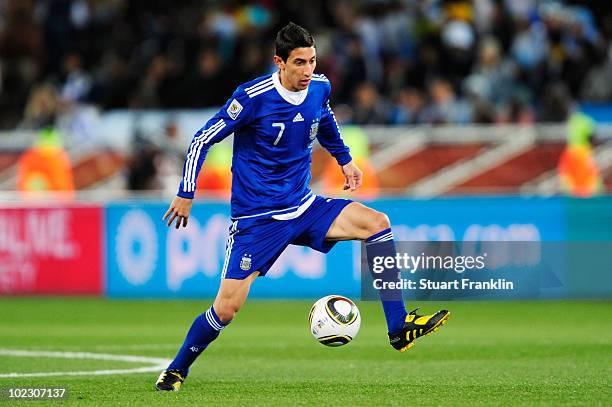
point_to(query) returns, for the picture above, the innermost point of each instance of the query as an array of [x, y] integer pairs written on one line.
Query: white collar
[[295, 98]]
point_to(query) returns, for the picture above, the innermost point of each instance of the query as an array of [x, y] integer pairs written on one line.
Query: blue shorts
[[254, 244]]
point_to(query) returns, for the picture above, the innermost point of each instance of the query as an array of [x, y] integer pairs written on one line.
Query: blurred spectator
[[209, 85], [497, 56], [112, 83], [148, 95], [597, 86], [216, 178], [77, 85], [21, 57], [252, 63], [578, 172], [45, 167], [409, 107], [556, 103], [42, 107], [142, 170], [445, 106], [368, 106], [458, 41], [491, 79], [169, 163], [354, 61], [333, 180]]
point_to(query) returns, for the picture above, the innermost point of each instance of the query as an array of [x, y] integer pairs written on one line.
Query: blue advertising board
[[147, 259]]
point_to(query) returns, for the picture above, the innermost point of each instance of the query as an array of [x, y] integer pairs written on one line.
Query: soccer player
[[275, 120]]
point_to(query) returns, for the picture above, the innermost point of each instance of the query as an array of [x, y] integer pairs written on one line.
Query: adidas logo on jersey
[[298, 118]]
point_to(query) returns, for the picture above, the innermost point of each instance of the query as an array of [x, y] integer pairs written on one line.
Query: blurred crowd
[[390, 62]]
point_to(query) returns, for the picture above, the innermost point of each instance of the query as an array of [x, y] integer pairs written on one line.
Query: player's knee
[[378, 222], [226, 311]]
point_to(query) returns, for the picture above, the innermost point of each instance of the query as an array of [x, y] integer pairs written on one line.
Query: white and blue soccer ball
[[334, 320]]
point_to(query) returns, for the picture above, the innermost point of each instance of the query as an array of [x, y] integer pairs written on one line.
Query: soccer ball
[[334, 320]]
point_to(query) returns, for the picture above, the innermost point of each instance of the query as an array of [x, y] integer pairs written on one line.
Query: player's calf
[[403, 328], [382, 245], [204, 329]]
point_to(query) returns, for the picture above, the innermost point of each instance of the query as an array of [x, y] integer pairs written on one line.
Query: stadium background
[[477, 120]]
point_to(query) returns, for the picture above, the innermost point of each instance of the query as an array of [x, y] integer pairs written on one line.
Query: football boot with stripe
[[415, 327]]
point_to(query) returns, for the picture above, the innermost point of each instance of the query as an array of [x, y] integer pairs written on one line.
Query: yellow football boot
[[170, 380], [415, 327]]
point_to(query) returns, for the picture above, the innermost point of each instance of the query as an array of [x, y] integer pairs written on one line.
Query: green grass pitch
[[490, 353]]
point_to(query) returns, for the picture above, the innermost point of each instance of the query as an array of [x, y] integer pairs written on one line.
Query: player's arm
[[329, 137], [234, 115]]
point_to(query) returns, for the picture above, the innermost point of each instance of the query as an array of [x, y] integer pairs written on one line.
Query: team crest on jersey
[[314, 128], [245, 263], [234, 109]]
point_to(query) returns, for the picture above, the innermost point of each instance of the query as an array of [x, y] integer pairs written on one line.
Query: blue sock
[[205, 329], [382, 244]]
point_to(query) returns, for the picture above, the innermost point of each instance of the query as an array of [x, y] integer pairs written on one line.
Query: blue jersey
[[274, 131]]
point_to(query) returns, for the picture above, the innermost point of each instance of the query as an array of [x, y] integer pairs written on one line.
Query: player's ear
[[280, 64]]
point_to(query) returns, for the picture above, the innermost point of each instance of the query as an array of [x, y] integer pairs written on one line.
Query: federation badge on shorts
[[234, 109], [245, 263]]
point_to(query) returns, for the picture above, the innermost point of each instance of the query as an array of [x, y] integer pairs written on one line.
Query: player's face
[[296, 72]]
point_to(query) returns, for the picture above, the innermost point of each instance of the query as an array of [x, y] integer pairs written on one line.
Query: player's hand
[[352, 176], [179, 209]]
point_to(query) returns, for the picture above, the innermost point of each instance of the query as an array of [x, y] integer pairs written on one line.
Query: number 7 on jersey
[[281, 127]]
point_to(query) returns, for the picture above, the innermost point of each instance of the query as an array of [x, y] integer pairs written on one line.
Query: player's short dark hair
[[290, 37]]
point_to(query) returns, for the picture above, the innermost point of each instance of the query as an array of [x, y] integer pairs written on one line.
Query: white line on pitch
[[136, 347], [159, 363]]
